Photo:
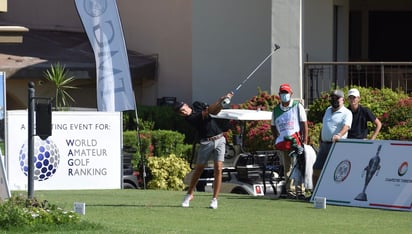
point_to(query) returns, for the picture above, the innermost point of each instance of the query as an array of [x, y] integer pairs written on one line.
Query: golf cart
[[130, 176], [255, 173]]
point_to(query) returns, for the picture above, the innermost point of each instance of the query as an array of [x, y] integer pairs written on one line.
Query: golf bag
[[304, 158]]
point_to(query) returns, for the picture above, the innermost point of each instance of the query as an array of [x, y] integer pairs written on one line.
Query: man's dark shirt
[[206, 127], [359, 128]]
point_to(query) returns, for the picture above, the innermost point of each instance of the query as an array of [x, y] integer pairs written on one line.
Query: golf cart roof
[[243, 114]]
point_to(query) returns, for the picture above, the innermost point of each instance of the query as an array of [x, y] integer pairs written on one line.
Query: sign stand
[[4, 188]]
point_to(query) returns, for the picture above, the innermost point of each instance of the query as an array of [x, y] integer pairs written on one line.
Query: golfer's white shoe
[[186, 200], [213, 204]]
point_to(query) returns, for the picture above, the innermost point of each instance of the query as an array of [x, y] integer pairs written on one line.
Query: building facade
[[204, 49]]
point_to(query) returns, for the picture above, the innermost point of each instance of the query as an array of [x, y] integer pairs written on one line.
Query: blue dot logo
[[46, 159]]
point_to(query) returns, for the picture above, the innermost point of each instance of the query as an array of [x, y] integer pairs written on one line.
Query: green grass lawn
[[153, 211]]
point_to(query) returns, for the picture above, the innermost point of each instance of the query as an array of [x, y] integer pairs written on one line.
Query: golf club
[[227, 100]]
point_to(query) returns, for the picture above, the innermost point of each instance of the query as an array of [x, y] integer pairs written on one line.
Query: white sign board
[[84, 152], [363, 173]]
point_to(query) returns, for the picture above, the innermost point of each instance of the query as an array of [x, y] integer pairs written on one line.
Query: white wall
[[164, 28], [158, 27], [286, 31], [230, 38], [206, 48], [318, 30]]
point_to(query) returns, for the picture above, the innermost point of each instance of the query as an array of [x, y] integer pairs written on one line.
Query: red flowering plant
[[392, 107], [396, 122], [314, 133], [257, 134]]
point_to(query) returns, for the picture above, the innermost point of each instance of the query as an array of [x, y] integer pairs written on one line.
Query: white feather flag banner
[[102, 24]]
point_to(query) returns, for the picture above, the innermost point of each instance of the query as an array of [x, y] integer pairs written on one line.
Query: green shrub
[[263, 101], [158, 117], [167, 173], [156, 144], [380, 101], [317, 108], [166, 142], [401, 131], [258, 136], [396, 122], [314, 133], [20, 211], [130, 123]]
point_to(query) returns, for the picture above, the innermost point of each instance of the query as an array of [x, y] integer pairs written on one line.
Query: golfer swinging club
[[212, 143]]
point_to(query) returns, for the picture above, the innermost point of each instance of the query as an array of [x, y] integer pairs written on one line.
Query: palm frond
[[59, 76]]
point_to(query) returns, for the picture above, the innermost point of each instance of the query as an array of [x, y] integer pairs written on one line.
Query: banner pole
[[30, 141], [139, 144]]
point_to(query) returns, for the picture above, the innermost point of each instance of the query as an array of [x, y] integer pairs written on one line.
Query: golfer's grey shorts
[[215, 148]]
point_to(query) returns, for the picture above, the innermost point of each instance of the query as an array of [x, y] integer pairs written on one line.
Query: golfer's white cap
[[354, 92]]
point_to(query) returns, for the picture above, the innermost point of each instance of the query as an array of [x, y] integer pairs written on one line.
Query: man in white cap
[[361, 116]]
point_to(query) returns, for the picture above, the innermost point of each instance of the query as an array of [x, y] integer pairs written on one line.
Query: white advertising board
[[84, 152], [372, 174]]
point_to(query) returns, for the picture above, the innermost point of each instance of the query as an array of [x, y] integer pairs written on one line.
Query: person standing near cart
[[289, 121], [212, 143]]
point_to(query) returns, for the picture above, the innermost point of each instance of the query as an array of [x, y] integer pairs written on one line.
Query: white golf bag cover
[[310, 158]]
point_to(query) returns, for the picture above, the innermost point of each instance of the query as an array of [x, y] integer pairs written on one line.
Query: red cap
[[285, 87]]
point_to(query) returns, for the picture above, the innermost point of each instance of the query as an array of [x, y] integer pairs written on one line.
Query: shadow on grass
[[135, 205], [246, 197], [145, 206]]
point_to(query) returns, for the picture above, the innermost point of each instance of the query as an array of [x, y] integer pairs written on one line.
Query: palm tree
[[58, 75]]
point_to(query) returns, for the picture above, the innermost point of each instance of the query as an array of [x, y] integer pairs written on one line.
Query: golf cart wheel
[[239, 190], [128, 186]]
